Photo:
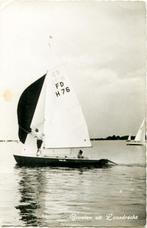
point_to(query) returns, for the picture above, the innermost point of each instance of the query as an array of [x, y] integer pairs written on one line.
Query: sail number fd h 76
[[61, 89]]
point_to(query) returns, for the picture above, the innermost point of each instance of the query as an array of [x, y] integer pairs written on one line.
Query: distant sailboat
[[140, 136], [129, 138], [50, 105]]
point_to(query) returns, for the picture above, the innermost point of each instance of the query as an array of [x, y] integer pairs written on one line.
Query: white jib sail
[[65, 125], [140, 136]]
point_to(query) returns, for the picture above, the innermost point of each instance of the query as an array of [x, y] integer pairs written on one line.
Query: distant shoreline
[[9, 140], [114, 137], [125, 137]]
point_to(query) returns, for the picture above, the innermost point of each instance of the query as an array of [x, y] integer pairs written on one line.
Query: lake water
[[60, 197]]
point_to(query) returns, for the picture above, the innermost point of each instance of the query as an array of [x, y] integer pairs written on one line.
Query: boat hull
[[61, 162], [135, 143]]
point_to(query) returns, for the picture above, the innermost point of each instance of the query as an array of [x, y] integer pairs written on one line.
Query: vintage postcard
[[72, 113]]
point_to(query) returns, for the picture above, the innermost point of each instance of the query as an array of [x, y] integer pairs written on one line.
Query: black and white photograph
[[72, 113]]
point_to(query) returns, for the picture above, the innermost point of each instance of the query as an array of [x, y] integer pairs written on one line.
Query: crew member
[[80, 154], [39, 140]]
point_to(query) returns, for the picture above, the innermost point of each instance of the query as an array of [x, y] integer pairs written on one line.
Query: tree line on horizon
[[114, 137]]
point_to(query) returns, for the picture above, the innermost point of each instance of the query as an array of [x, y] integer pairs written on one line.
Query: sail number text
[[61, 89]]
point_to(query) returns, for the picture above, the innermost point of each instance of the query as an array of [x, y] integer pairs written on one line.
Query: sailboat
[[129, 138], [140, 136], [50, 105]]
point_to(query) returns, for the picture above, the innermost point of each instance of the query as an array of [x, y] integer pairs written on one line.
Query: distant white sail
[[65, 125], [140, 136], [129, 138]]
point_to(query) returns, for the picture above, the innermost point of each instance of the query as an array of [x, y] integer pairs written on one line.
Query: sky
[[101, 45]]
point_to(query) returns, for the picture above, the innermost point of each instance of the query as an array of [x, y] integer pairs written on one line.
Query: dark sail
[[26, 107]]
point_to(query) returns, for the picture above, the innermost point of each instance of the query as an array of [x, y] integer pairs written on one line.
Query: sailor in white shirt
[[39, 137]]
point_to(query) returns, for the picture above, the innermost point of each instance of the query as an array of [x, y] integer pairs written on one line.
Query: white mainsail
[[65, 125], [140, 136]]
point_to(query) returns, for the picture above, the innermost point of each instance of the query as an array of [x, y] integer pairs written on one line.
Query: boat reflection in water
[[45, 195], [31, 203]]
